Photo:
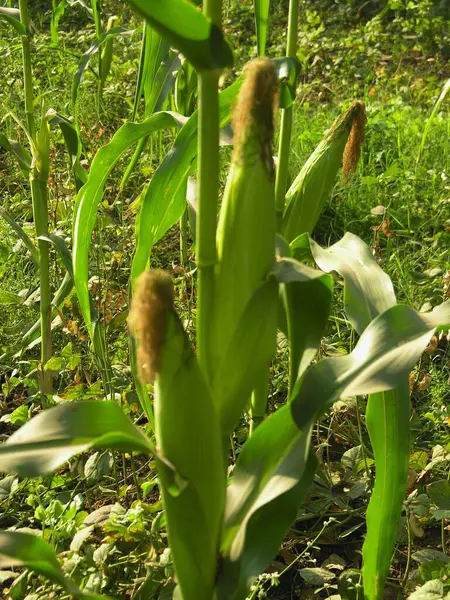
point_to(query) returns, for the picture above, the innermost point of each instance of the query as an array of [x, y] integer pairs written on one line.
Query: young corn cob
[[247, 227], [311, 189], [187, 435]]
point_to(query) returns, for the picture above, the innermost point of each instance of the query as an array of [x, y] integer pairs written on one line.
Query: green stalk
[[39, 192], [98, 33], [184, 232], [208, 192], [27, 75], [286, 120]]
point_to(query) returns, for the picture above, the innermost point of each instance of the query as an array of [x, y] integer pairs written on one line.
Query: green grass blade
[[436, 107], [89, 196], [188, 30], [387, 419], [55, 435], [21, 235], [261, 8]]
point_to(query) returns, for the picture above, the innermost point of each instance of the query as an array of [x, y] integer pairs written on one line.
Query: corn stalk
[[39, 193]]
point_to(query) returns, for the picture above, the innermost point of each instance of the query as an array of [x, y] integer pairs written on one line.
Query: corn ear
[[247, 226], [312, 188], [187, 435]]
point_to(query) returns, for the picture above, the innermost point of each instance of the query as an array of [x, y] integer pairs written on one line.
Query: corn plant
[[251, 281]]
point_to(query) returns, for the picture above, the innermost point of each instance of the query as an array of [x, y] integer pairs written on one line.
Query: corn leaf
[[57, 14], [162, 83], [387, 419], [74, 147], [60, 244], [21, 235], [55, 435], [274, 459], [368, 289], [88, 198], [307, 298], [261, 8], [20, 153], [188, 30], [273, 472], [20, 549], [12, 16], [385, 353]]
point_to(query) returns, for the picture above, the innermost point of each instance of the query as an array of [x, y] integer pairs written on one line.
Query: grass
[[399, 84]]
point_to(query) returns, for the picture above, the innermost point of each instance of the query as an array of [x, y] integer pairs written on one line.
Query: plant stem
[[286, 120], [208, 192], [27, 75], [39, 192], [98, 33]]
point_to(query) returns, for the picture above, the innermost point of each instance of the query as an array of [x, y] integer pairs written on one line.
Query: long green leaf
[[88, 198], [261, 21], [383, 357], [188, 30], [12, 16], [385, 353], [21, 549], [64, 252], [22, 235], [263, 532], [368, 291], [436, 107], [387, 418], [57, 13], [74, 147], [20, 153], [55, 435]]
